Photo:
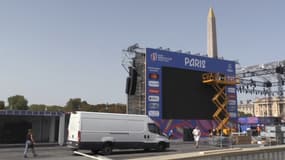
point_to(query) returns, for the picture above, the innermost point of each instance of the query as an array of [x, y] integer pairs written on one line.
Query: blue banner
[[156, 59]]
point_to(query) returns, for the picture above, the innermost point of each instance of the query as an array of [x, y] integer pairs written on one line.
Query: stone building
[[269, 107], [247, 108]]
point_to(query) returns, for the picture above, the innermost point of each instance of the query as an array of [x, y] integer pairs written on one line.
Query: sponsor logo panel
[[153, 98], [153, 113], [153, 83], [232, 96], [233, 114], [231, 90], [230, 68], [232, 102], [153, 91], [153, 76], [153, 105], [231, 108]]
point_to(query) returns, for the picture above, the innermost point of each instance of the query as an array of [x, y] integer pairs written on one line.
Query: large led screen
[[174, 88], [185, 96]]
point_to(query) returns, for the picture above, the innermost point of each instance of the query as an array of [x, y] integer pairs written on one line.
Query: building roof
[[266, 99], [29, 113]]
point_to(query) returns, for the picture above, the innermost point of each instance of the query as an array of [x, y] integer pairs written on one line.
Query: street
[[64, 153], [47, 153]]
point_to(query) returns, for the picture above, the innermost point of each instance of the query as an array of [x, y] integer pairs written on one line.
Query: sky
[[54, 50]]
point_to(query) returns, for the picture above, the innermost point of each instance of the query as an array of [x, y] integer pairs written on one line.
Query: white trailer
[[107, 131]]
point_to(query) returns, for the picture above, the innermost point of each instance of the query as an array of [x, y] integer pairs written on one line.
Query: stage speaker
[[131, 82]]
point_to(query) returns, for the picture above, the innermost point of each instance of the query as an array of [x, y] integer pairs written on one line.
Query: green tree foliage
[[38, 107], [242, 114], [84, 106], [111, 108], [2, 105], [77, 105], [72, 105], [18, 102], [42, 107], [120, 108], [55, 108]]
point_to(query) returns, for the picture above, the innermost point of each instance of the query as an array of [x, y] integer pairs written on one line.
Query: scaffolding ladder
[[220, 99]]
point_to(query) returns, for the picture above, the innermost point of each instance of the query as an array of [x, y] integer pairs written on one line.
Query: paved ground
[[174, 149], [47, 153], [63, 153]]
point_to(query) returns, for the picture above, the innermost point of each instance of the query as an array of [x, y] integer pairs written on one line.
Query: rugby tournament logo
[[153, 56]]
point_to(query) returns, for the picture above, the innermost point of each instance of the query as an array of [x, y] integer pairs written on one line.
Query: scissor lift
[[219, 83]]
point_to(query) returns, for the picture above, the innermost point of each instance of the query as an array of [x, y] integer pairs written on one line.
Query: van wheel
[[107, 149], [146, 149], [160, 147], [94, 151]]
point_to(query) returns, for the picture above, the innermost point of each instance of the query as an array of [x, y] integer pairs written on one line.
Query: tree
[[112, 108], [72, 105], [76, 104], [84, 106], [18, 102], [2, 105], [242, 114], [55, 108], [38, 107], [117, 108]]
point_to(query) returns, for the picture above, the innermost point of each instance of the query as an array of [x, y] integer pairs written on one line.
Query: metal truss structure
[[265, 79], [129, 55]]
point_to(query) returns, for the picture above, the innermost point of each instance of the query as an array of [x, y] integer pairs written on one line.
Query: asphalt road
[[64, 153], [174, 149], [47, 153]]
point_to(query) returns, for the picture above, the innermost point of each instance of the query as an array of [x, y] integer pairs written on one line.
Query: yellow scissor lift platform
[[219, 83]]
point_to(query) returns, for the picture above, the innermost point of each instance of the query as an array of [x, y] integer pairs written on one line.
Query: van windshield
[[153, 128]]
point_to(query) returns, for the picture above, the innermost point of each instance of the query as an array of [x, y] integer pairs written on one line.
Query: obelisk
[[211, 36]]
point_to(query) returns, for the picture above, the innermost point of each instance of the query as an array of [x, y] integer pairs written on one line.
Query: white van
[[107, 131]]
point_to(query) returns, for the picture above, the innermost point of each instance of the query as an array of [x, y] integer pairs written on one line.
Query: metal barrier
[[260, 153], [257, 153], [221, 141]]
